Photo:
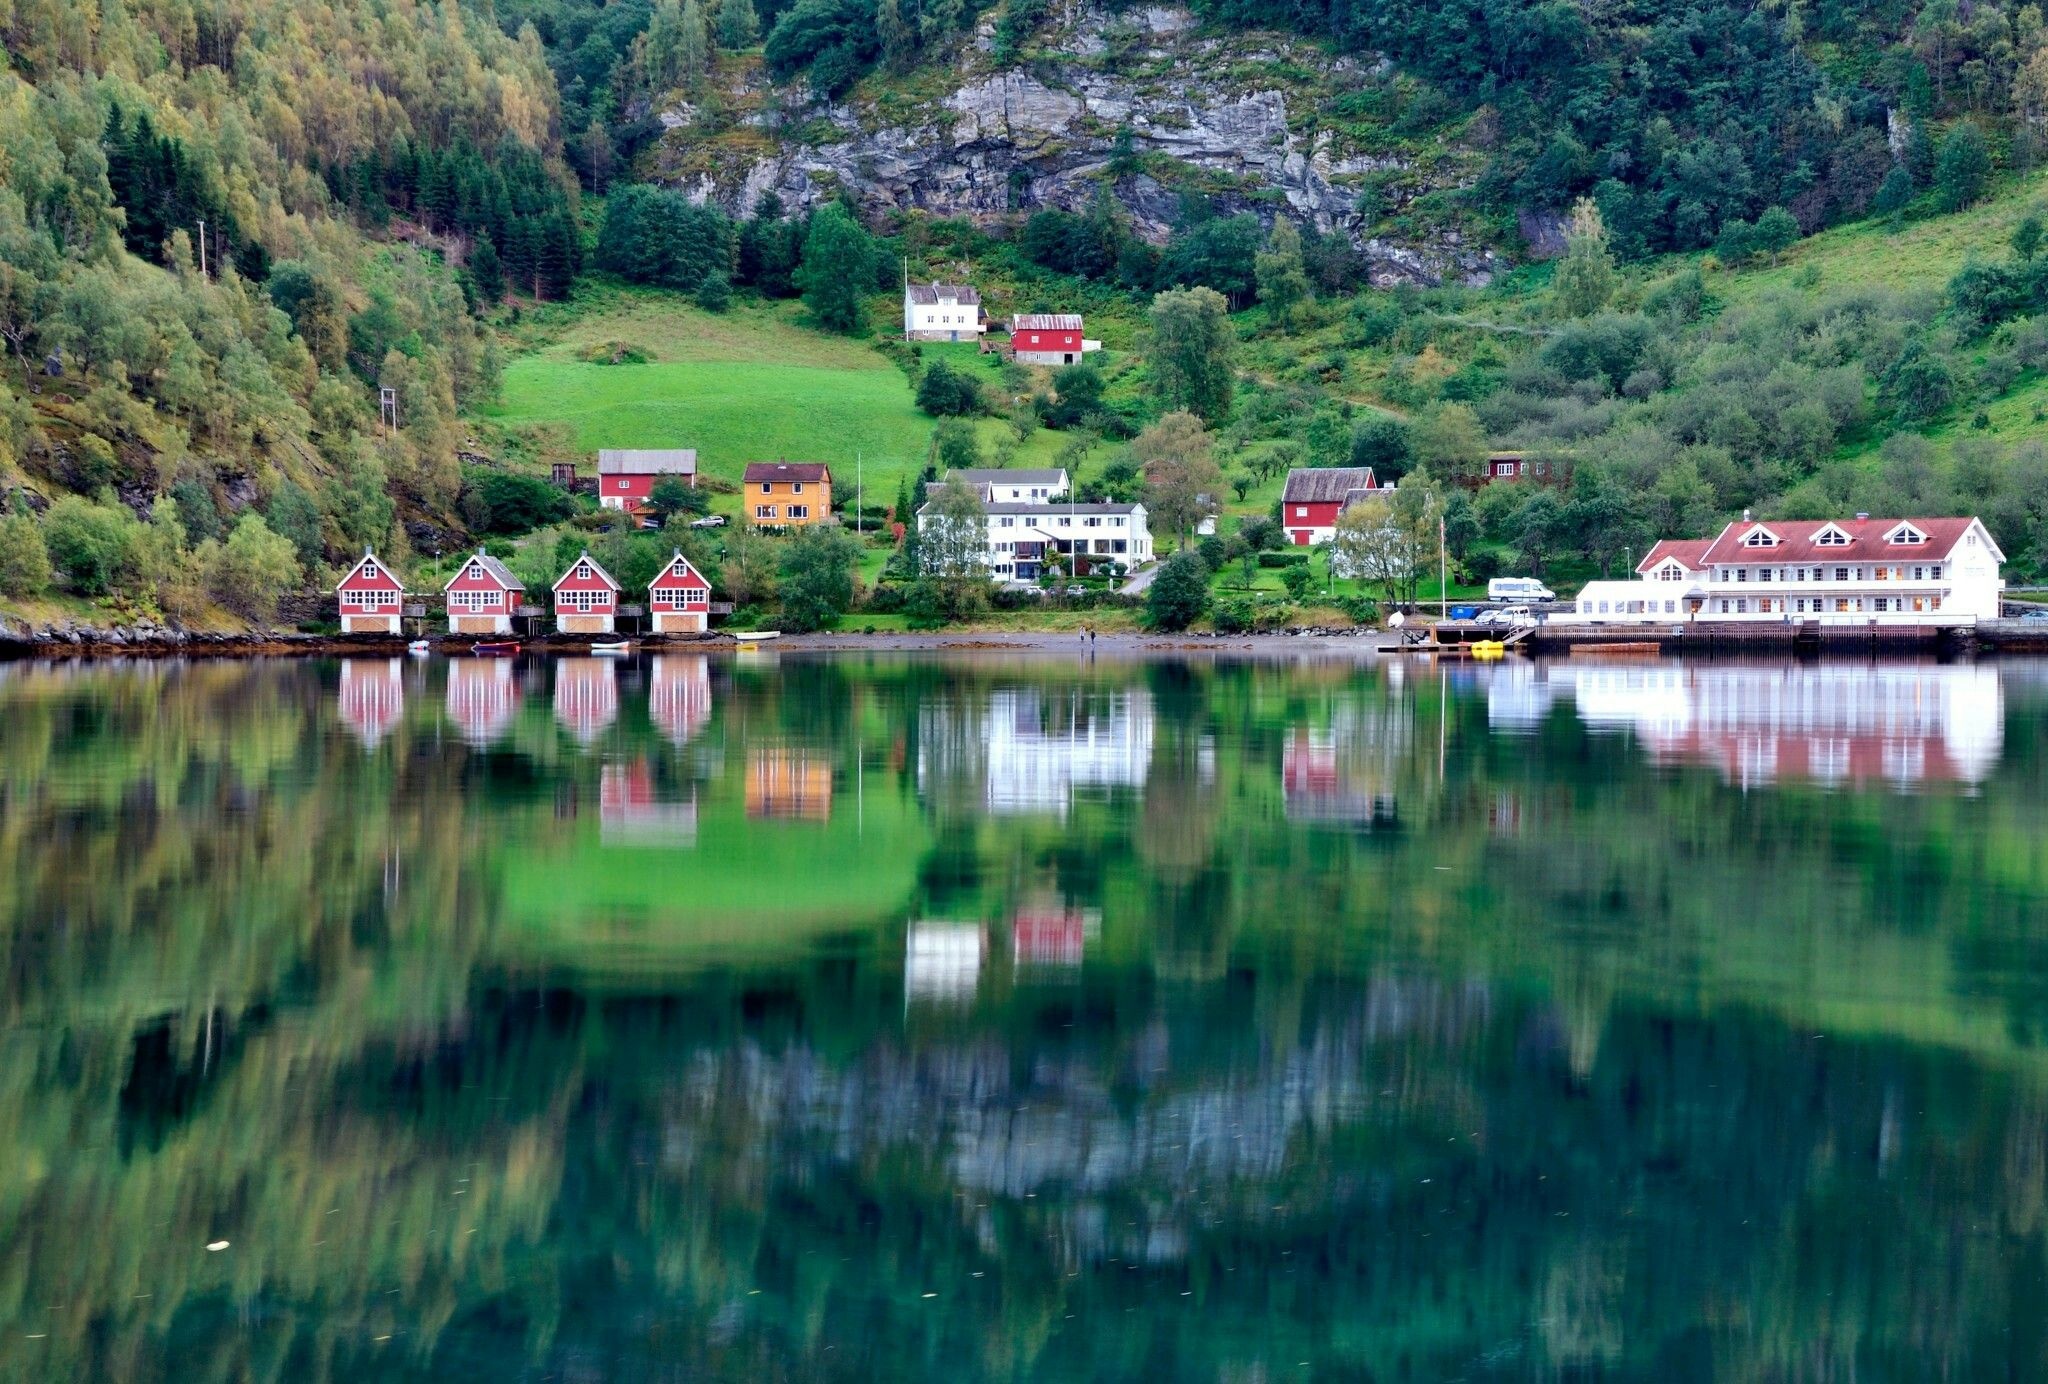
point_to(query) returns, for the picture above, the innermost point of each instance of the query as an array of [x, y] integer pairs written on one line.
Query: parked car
[[709, 521], [1077, 591], [1512, 617], [2034, 615]]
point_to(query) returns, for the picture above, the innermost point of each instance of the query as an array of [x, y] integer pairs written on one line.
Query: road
[[1139, 581]]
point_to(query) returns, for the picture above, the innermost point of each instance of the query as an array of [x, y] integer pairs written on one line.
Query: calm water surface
[[912, 1018]]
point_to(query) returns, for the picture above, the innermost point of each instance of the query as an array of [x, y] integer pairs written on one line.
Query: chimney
[[1745, 516], [1862, 515]]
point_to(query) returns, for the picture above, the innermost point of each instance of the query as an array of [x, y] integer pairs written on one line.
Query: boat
[[1488, 648], [419, 648], [751, 640], [612, 648], [499, 648]]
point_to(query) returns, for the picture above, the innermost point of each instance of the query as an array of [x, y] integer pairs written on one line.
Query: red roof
[[370, 575], [1867, 540], [1690, 552], [759, 472], [595, 579], [679, 575]]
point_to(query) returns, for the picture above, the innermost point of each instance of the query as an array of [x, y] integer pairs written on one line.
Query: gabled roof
[[647, 461], [494, 569], [1046, 322], [929, 294], [1326, 485], [1006, 475], [1053, 509], [688, 575], [1866, 541], [378, 576], [1690, 553], [595, 569], [761, 472]]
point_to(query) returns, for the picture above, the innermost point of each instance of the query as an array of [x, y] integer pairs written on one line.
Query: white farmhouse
[[942, 312], [1009, 485], [1860, 571], [1024, 539]]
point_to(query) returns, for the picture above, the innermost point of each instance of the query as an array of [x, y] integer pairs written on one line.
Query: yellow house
[[786, 494]]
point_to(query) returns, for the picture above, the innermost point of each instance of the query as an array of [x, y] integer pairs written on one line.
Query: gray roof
[[1053, 509], [1046, 322], [646, 461], [1006, 475], [496, 568], [928, 294], [1326, 484]]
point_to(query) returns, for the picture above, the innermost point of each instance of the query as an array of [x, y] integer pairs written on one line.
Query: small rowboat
[[612, 648], [419, 648], [502, 648], [754, 639]]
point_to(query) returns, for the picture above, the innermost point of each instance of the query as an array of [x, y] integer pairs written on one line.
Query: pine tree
[[555, 263], [899, 39], [485, 271], [693, 47], [738, 25]]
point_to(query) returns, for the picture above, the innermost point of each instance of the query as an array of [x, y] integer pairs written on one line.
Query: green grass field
[[752, 384]]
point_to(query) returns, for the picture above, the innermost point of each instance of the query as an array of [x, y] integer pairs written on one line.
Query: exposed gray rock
[[1018, 139]]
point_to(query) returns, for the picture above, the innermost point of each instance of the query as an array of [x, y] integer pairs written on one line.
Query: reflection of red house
[[586, 696], [787, 782], [482, 698], [631, 814], [679, 696], [371, 697], [1048, 937], [369, 598], [1315, 786]]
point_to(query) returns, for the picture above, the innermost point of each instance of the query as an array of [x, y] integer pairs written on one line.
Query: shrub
[[252, 569], [1179, 594], [1298, 580], [510, 502], [88, 542], [24, 558], [1286, 557], [1233, 615], [947, 393]]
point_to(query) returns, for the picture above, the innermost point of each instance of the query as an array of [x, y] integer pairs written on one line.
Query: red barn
[[626, 476], [586, 598], [1315, 496], [1047, 338], [679, 599], [482, 596], [370, 597]]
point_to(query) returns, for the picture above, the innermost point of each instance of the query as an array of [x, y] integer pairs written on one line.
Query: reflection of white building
[[482, 698], [1345, 771], [1034, 750], [1900, 723], [942, 961], [371, 697], [679, 695], [631, 813]]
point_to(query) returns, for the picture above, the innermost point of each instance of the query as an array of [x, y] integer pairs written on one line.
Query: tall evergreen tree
[[485, 270], [738, 25]]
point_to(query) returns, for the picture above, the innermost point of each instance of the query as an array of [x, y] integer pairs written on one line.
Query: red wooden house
[[679, 599], [483, 596], [586, 599], [626, 476], [370, 597], [1046, 338], [1314, 496]]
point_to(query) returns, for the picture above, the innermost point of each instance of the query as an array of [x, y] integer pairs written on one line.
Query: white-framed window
[[796, 488], [1301, 511], [1934, 572], [1841, 574], [764, 511], [1831, 537], [581, 602], [798, 511], [767, 488], [473, 601]]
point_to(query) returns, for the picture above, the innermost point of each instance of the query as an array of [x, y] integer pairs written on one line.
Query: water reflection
[[1901, 724], [1568, 1066]]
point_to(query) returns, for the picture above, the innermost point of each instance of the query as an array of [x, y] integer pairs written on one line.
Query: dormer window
[[1831, 537], [476, 571], [1760, 538], [1905, 533]]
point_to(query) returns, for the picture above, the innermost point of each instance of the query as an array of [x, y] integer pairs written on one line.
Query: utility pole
[[857, 491]]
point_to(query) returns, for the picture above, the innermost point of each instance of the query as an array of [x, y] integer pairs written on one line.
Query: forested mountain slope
[[339, 158]]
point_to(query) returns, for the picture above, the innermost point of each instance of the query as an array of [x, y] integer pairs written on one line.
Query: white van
[[1518, 589]]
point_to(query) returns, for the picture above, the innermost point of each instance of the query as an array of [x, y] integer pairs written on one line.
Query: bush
[[509, 502], [1298, 580], [1233, 615], [652, 235], [1286, 557], [1179, 594], [24, 558], [948, 393], [1362, 610], [250, 571], [89, 543]]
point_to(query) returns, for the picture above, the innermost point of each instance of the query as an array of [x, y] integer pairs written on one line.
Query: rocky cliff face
[[1139, 102]]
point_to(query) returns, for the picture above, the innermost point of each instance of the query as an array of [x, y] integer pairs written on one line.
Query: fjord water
[[1023, 1017]]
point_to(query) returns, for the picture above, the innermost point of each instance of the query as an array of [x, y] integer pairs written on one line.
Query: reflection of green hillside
[[745, 888]]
